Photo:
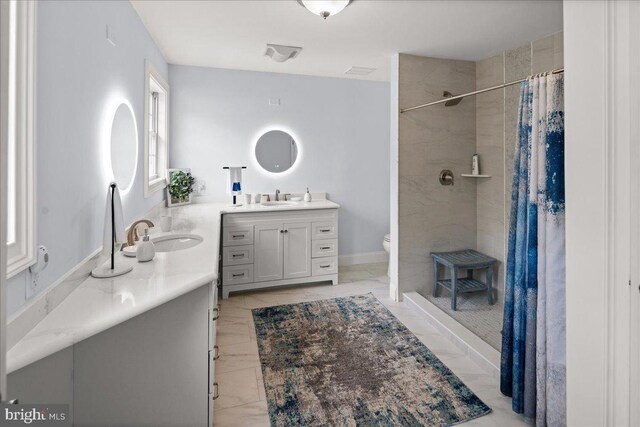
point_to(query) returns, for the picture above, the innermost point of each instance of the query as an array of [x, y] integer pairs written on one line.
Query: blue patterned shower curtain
[[533, 365]]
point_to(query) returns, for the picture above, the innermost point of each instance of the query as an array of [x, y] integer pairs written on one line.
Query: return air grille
[[360, 71]]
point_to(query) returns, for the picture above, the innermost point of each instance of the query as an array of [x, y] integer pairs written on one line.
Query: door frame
[[634, 333], [602, 161], [4, 84]]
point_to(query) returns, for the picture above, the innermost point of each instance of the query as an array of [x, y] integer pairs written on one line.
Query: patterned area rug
[[350, 362]]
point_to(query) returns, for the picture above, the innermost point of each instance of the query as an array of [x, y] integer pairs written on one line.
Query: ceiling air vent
[[281, 53], [360, 71]]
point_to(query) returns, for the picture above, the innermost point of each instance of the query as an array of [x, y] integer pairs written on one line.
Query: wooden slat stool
[[466, 259]]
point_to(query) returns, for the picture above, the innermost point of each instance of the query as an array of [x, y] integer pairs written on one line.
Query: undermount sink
[[279, 203], [176, 242]]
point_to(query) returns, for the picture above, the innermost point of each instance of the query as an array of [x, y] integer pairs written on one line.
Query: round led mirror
[[276, 151], [124, 147]]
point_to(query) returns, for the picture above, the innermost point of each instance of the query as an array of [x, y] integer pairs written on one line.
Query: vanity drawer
[[324, 248], [324, 266], [236, 236], [237, 274], [324, 230], [237, 255]]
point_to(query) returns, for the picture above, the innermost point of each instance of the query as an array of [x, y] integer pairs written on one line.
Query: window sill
[[19, 264], [154, 186]]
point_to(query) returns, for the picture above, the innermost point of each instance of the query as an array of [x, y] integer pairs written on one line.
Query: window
[[156, 145], [18, 116]]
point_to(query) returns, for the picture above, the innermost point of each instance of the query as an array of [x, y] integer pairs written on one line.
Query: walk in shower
[[447, 117]]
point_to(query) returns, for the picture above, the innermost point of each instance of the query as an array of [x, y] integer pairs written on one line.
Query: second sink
[[176, 242], [279, 203]]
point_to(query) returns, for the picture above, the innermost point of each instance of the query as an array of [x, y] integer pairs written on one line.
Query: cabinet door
[[267, 252], [297, 250], [148, 371]]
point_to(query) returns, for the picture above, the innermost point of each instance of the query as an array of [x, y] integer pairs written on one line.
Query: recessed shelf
[[468, 175]]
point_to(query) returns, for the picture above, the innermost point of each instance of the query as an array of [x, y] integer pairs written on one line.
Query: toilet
[[386, 244]]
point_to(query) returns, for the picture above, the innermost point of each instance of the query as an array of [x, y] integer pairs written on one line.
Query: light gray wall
[[341, 127], [79, 71]]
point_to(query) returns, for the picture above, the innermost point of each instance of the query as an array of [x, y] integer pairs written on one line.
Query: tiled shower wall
[[473, 213], [433, 217], [496, 124]]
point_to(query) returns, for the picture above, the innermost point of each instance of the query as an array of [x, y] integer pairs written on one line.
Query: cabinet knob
[[217, 313]]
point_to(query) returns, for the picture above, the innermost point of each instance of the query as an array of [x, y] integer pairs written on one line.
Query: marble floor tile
[[242, 399], [233, 332], [234, 357], [254, 414], [237, 388]]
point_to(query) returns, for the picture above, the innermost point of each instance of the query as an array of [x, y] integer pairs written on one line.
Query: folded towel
[[234, 181], [121, 235]]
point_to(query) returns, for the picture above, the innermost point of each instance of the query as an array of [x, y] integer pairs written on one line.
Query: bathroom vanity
[[134, 350], [158, 323], [272, 247]]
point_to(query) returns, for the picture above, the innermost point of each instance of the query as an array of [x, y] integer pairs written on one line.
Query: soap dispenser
[[307, 196], [146, 251]]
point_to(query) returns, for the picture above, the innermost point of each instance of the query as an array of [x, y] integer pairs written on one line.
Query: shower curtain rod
[[452, 98]]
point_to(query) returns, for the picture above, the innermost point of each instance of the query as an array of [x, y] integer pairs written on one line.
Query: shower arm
[[453, 98]]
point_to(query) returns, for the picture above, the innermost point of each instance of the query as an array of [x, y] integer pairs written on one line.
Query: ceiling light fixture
[[324, 8], [281, 53]]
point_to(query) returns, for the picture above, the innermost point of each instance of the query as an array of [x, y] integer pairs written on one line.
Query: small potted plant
[[179, 187]]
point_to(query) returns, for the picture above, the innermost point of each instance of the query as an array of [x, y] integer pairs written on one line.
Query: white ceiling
[[233, 34]]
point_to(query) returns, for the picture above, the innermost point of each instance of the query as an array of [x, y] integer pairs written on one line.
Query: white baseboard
[[363, 258]]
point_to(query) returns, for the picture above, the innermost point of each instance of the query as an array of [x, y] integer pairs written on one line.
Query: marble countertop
[[99, 304], [289, 206]]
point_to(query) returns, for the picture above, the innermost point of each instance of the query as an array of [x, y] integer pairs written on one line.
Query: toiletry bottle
[[475, 167], [146, 251], [307, 196]]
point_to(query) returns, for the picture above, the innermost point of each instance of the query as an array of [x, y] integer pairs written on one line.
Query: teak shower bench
[[466, 259]]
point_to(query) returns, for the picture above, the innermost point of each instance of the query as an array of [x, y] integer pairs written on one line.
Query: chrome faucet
[[277, 195]]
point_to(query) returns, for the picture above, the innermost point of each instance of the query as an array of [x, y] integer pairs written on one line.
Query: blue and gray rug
[[350, 362]]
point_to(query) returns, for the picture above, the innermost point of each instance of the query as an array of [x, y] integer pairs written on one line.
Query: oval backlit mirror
[[124, 147], [276, 151]]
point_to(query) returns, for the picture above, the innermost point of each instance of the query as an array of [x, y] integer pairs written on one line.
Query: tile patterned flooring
[[474, 313], [242, 401]]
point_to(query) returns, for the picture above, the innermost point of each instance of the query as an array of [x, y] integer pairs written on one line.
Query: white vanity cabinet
[[287, 247], [155, 369]]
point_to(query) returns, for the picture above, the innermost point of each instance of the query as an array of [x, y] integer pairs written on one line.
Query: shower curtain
[[533, 367]]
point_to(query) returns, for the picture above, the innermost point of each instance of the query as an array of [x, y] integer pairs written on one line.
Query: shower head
[[453, 102]]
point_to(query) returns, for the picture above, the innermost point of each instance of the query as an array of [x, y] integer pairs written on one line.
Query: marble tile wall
[[433, 217], [474, 212], [496, 127]]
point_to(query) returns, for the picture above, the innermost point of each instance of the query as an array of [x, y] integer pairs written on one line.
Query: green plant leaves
[[181, 185]]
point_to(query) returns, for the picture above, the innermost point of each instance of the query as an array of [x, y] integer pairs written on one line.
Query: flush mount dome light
[[324, 8]]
